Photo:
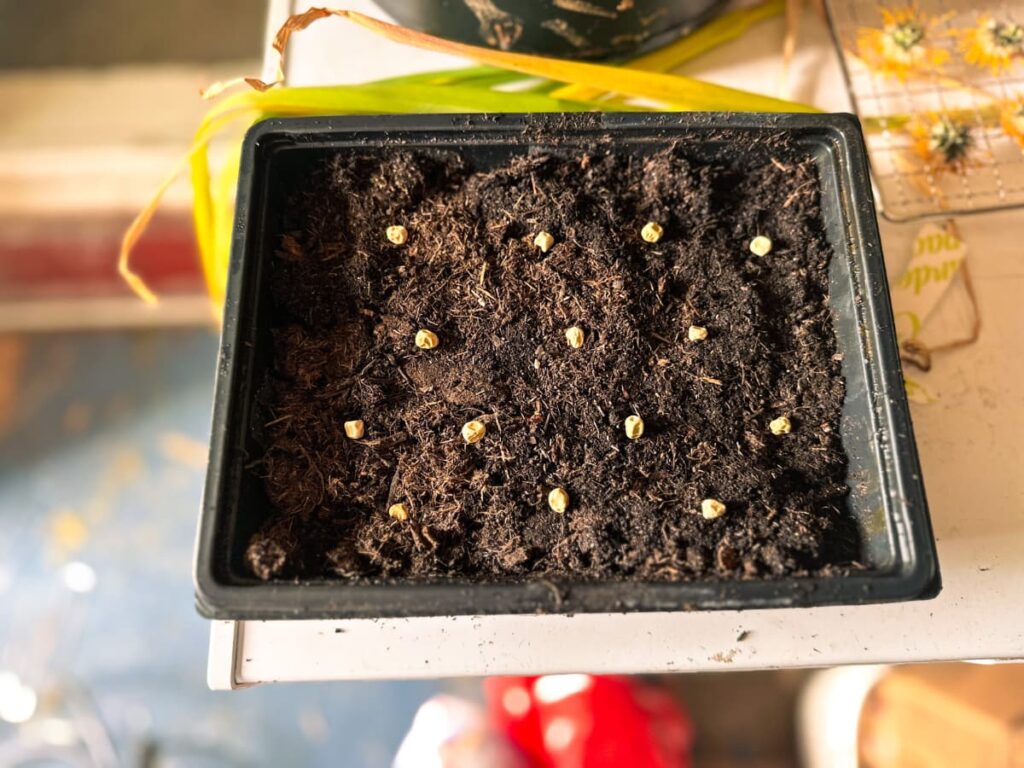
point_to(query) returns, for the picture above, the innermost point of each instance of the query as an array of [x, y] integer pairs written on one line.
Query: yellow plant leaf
[[207, 129], [675, 90]]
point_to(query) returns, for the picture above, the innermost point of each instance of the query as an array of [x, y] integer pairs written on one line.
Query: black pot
[[888, 504], [583, 29]]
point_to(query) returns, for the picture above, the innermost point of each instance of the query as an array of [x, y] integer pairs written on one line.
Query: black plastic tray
[[888, 499]]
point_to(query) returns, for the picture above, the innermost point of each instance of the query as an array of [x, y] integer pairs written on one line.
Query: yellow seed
[[634, 427], [781, 426], [712, 508], [399, 512], [426, 339], [574, 336], [544, 241], [558, 500], [473, 431], [397, 234], [696, 333], [761, 246], [355, 429], [652, 232]]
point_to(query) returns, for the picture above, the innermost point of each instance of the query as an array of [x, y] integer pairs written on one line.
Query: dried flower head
[[992, 44], [943, 142], [1011, 118], [903, 47]]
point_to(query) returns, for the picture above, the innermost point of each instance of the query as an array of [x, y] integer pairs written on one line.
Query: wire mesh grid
[[899, 113]]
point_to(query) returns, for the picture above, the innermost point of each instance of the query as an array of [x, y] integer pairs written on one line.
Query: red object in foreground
[[590, 721]]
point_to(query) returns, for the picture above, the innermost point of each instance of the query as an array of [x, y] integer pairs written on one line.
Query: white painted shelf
[[971, 443]]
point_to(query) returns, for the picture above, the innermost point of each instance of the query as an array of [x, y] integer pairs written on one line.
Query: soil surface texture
[[347, 304]]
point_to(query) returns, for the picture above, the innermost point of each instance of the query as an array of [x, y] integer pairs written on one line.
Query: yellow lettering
[[913, 319], [924, 276]]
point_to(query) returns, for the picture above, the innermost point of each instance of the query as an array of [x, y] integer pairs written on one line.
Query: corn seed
[[652, 232], [574, 336], [397, 234], [761, 246], [544, 241], [426, 339], [473, 431], [558, 500], [712, 508]]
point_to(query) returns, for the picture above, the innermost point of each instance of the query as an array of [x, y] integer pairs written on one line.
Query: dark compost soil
[[347, 304]]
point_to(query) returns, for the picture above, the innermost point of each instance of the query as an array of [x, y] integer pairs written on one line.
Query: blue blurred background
[[102, 457]]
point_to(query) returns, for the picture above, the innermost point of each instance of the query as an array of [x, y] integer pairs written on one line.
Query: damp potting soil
[[707, 342]]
